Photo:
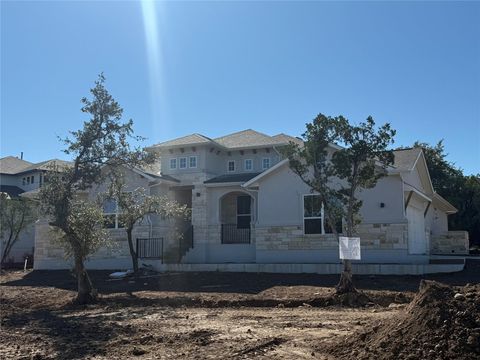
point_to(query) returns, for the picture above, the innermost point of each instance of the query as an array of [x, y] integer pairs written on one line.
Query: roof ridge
[[242, 131]]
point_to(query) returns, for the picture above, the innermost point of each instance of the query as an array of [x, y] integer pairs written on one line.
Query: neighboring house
[[250, 212], [18, 176]]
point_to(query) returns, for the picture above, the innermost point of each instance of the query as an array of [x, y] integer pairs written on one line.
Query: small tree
[[359, 165], [135, 205], [338, 176], [102, 141], [15, 216]]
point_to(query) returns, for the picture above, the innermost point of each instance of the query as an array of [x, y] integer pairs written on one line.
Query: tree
[[102, 141], [135, 205], [338, 176], [360, 165], [15, 215]]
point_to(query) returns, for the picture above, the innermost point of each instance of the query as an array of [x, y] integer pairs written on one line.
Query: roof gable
[[246, 138], [192, 139]]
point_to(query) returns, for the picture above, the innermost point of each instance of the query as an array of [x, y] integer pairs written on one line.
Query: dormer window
[[265, 163], [183, 163], [231, 165], [173, 164]]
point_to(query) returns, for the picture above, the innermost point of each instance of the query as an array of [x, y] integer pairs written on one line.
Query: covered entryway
[[236, 214]]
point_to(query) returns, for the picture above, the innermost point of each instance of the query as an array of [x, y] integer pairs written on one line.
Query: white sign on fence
[[349, 248]]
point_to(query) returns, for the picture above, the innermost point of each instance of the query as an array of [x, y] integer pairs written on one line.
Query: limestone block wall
[[373, 236], [451, 242]]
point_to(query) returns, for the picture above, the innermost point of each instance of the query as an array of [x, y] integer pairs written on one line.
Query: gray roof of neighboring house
[[193, 139], [228, 178], [247, 138], [47, 165], [12, 165], [12, 191], [405, 158]]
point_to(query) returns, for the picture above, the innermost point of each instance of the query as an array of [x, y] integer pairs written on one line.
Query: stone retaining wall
[[451, 242]]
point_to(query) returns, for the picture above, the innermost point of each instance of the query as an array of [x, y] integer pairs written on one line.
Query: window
[[40, 180], [192, 162], [173, 164], [32, 180], [183, 163], [28, 180], [231, 165], [23, 181], [248, 164], [312, 215], [244, 215], [111, 213], [265, 163]]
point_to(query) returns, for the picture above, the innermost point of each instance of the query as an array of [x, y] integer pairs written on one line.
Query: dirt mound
[[441, 322]]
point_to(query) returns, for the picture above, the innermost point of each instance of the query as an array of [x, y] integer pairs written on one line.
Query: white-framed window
[[111, 213], [192, 162], [23, 181], [182, 163], [173, 164], [248, 164], [313, 215], [231, 165], [265, 163], [28, 180]]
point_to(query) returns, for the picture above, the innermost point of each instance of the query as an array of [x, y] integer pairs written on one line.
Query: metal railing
[[232, 234], [150, 248]]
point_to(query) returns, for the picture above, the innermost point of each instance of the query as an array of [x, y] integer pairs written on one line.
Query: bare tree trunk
[[85, 292], [345, 285], [133, 254]]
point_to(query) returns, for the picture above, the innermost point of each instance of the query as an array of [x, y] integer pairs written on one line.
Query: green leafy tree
[[15, 216], [338, 176], [135, 205], [103, 141]]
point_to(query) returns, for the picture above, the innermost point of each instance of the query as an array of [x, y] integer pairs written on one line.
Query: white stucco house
[[250, 212]]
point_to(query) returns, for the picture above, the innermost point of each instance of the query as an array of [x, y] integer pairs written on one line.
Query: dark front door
[[244, 213]]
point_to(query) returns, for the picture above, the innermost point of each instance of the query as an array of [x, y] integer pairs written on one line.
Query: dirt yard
[[194, 315]]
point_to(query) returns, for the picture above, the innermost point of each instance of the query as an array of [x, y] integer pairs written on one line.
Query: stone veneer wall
[[373, 236], [48, 252], [451, 242]]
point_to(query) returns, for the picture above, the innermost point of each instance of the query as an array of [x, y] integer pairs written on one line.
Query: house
[[18, 176], [250, 212]]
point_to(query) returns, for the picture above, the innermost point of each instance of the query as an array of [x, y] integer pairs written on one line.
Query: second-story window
[[192, 162], [182, 163], [32, 181], [231, 165], [23, 181], [265, 163], [248, 164], [173, 164], [28, 180]]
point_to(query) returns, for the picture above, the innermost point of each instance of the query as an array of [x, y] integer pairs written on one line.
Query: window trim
[[321, 217], [190, 162], [245, 165], [176, 163], [269, 163], [228, 165], [116, 214], [180, 163]]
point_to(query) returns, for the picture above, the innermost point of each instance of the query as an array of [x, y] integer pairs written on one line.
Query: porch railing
[[150, 248], [232, 234]]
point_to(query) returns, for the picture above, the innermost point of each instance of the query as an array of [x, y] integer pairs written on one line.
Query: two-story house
[[250, 212]]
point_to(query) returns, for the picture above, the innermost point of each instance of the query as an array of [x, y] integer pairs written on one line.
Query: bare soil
[[200, 315]]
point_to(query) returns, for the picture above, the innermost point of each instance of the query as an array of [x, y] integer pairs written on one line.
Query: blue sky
[[220, 67]]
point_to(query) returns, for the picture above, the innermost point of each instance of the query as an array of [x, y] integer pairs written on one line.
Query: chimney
[[21, 155]]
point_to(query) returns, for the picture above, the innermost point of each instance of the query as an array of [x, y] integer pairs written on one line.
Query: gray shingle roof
[[284, 138], [193, 139], [228, 178], [47, 165], [246, 138], [13, 165], [405, 158], [12, 191]]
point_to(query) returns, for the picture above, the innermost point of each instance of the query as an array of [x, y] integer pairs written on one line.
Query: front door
[[416, 230], [244, 214]]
